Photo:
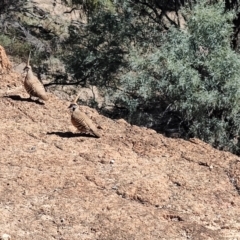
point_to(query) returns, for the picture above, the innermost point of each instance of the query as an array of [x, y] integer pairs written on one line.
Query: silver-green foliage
[[197, 72]]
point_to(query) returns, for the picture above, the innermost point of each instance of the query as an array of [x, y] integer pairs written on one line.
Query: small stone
[[5, 237]]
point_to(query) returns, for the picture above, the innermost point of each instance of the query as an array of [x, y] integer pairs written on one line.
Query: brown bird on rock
[[32, 85], [81, 121]]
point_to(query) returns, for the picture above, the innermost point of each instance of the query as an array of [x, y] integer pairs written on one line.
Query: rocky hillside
[[131, 183]]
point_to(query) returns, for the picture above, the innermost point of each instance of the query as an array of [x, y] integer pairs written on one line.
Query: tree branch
[[65, 83], [74, 8]]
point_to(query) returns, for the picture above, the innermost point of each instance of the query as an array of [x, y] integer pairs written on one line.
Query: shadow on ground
[[19, 98], [70, 134]]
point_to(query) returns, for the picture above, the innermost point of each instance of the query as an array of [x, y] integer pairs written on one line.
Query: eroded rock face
[[5, 64], [132, 183], [60, 10]]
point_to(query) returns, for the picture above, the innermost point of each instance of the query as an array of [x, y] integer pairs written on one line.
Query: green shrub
[[15, 47], [196, 72]]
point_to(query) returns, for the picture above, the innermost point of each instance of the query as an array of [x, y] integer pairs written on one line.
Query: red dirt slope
[[132, 183]]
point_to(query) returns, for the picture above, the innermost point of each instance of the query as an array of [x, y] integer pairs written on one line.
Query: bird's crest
[[76, 98], [28, 61], [74, 102]]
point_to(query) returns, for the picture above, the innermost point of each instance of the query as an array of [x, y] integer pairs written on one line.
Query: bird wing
[[83, 123], [35, 88]]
